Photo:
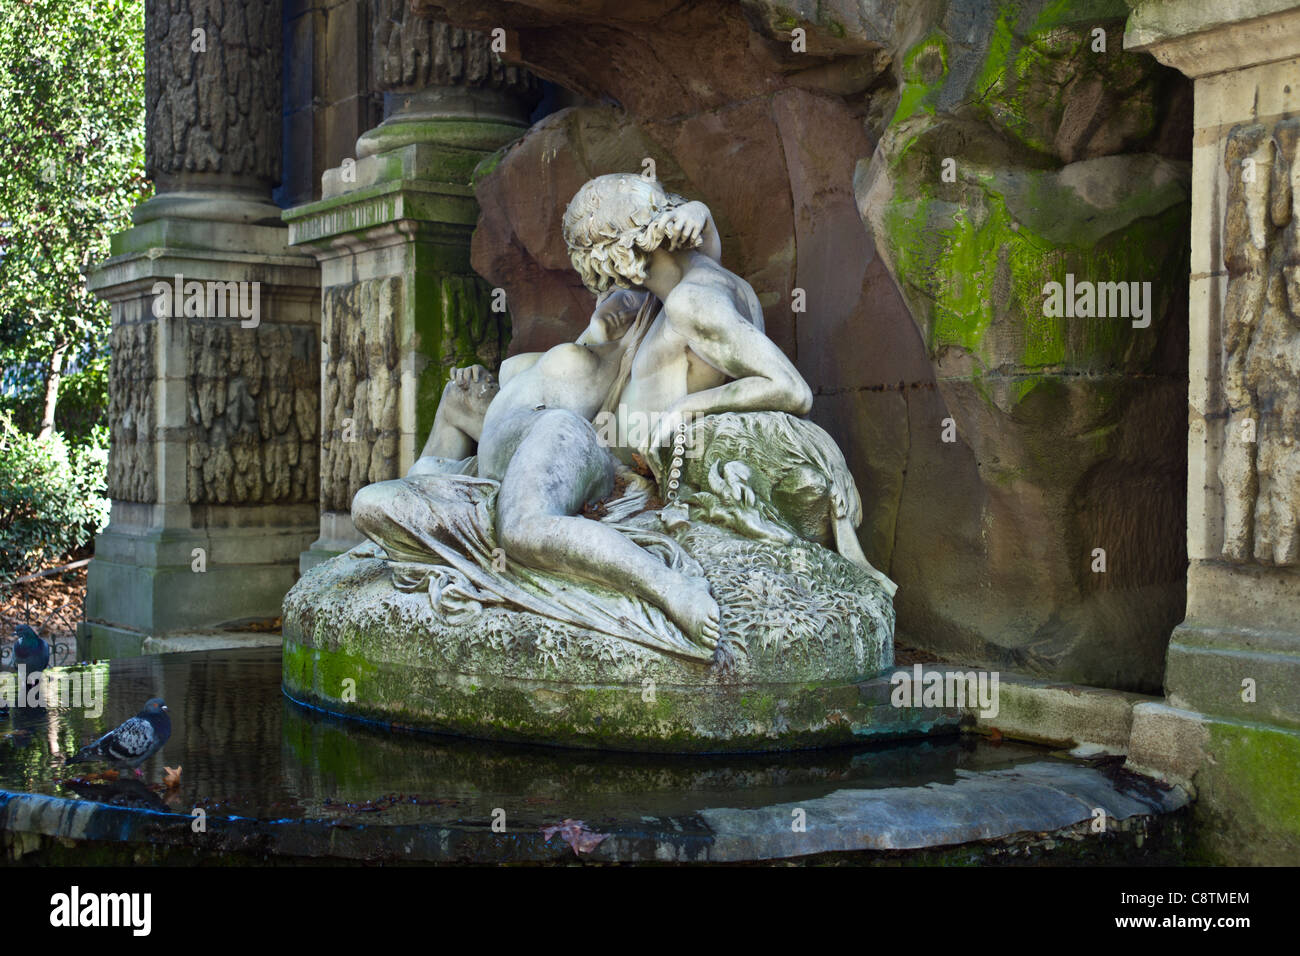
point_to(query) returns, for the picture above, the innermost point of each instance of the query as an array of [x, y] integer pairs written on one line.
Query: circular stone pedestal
[[801, 627]]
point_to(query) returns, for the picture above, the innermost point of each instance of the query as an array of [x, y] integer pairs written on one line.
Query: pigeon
[[30, 650], [133, 741]]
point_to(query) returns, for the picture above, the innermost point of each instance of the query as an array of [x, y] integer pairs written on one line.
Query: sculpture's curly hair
[[611, 226]]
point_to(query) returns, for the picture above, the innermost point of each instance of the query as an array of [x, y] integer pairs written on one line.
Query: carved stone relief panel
[[361, 388], [1260, 467], [253, 414], [131, 414]]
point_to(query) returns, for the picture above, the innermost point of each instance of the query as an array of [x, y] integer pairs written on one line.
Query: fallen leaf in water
[[576, 834], [172, 776], [995, 736]]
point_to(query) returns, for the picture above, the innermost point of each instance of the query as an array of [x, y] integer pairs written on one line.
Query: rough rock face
[[1066, 434], [1031, 158]]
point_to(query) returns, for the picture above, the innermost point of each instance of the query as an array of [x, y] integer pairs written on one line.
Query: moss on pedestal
[[356, 645], [1247, 811]]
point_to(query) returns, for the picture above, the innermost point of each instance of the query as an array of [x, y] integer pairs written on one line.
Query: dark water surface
[[247, 751]]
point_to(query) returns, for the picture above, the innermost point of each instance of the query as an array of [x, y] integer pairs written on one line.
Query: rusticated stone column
[[214, 381], [400, 304], [212, 103], [1231, 726]]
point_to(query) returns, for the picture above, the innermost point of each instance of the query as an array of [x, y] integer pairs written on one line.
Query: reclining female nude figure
[[702, 352]]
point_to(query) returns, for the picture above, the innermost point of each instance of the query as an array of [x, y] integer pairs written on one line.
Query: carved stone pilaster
[[131, 412], [215, 406], [401, 306], [1259, 345], [1232, 723]]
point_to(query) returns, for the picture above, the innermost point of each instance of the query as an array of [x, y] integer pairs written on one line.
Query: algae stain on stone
[[948, 257], [1254, 760], [925, 69], [991, 81], [458, 329]]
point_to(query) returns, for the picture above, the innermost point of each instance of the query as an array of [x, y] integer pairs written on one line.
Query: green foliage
[[83, 396], [71, 169], [52, 498]]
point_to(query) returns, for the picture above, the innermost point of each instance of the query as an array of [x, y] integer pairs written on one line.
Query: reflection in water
[[248, 751], [123, 792]]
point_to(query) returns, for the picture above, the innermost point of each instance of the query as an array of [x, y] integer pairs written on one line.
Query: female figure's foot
[[692, 608]]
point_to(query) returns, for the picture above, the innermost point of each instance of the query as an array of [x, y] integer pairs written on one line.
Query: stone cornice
[[1201, 39]]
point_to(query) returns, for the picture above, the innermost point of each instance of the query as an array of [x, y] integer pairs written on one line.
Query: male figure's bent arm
[[765, 380]]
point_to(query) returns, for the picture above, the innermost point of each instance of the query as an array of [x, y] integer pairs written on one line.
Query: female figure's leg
[[550, 463]]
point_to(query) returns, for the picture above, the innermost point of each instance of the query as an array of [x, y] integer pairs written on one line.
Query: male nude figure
[[709, 330]]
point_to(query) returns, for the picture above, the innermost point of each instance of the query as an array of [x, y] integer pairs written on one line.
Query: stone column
[[214, 389], [400, 305], [1231, 725]]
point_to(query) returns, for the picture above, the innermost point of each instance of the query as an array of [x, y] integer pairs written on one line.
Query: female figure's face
[[616, 312]]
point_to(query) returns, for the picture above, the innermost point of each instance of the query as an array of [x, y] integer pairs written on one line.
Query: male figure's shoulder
[[707, 297]]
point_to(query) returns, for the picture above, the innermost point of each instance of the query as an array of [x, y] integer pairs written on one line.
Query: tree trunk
[[52, 391]]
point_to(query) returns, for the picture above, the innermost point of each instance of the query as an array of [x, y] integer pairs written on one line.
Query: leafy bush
[[83, 400], [52, 499]]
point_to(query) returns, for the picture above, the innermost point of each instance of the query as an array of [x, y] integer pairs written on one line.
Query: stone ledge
[[1167, 743], [994, 804], [438, 205], [1208, 665], [986, 813], [1245, 778], [100, 641], [1200, 39], [1091, 719]]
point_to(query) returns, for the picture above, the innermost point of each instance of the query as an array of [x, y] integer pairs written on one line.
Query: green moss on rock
[[1248, 806], [925, 69], [983, 212]]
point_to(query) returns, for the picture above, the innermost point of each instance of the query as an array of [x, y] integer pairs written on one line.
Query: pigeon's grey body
[[133, 741], [30, 651], [31, 655]]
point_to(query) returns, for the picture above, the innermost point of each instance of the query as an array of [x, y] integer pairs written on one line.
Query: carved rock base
[[803, 633]]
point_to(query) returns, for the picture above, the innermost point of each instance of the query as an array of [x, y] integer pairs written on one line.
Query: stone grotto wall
[[924, 320]]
